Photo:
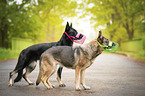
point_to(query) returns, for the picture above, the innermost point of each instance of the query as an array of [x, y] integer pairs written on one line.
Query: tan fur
[[82, 62]]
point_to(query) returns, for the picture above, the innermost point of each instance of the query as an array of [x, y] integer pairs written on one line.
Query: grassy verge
[[137, 55], [8, 54]]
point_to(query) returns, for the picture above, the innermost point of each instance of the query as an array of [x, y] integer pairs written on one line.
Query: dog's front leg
[[82, 80], [77, 74]]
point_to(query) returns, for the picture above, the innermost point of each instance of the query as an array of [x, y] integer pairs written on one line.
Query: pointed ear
[[100, 34], [71, 25], [67, 26]]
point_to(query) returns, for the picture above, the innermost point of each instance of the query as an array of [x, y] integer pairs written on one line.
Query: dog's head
[[104, 42], [72, 35]]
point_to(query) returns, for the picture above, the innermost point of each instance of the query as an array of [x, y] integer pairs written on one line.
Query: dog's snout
[[114, 44], [107, 42], [80, 36]]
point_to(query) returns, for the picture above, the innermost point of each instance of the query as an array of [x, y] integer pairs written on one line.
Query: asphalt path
[[109, 75]]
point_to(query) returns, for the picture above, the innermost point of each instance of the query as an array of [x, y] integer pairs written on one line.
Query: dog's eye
[[106, 41]]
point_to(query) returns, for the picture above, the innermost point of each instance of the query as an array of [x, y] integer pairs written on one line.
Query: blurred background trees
[[34, 19], [43, 21], [122, 19]]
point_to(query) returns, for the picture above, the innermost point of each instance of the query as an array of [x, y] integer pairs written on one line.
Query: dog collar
[[102, 46]]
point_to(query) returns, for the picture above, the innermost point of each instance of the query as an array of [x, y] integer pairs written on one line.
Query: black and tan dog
[[78, 58], [30, 55]]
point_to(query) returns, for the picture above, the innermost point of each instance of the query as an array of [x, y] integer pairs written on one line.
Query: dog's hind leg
[[45, 79], [47, 69], [59, 77], [29, 69], [55, 67], [82, 80], [11, 77]]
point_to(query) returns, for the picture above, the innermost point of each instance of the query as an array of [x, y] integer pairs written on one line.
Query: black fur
[[33, 53]]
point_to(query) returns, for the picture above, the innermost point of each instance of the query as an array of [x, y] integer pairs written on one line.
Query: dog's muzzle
[[76, 38], [112, 47], [80, 41]]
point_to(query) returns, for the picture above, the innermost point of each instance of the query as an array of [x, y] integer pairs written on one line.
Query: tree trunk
[[47, 34], [4, 36], [130, 29], [53, 33], [4, 28]]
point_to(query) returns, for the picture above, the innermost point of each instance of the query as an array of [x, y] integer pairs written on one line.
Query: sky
[[82, 25]]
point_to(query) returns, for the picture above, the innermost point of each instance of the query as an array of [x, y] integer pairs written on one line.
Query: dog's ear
[[67, 27], [71, 25], [67, 24], [100, 34]]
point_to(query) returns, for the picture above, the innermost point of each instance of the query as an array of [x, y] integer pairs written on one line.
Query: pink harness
[[81, 41]]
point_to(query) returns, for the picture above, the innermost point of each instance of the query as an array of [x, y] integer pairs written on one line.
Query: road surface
[[110, 75]]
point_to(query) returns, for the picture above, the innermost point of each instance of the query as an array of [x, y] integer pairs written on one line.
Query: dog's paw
[[10, 85], [86, 88], [62, 85], [52, 86], [31, 83], [78, 89], [49, 88]]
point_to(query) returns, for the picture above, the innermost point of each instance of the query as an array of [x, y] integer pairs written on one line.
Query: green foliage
[[8, 54], [122, 18], [34, 19]]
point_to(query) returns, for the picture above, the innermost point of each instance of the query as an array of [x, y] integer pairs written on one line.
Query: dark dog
[[78, 58], [31, 54]]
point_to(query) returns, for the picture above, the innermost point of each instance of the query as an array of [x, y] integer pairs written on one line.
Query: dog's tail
[[19, 76], [39, 76], [38, 79], [19, 67]]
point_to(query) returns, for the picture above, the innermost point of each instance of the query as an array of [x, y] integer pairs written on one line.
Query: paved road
[[110, 75]]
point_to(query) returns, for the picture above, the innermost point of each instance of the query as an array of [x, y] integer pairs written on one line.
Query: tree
[[12, 17], [31, 18], [52, 14], [122, 18]]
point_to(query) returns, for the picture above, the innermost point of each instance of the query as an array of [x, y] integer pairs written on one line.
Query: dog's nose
[[114, 44], [80, 36]]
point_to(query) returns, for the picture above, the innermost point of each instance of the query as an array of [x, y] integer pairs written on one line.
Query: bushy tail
[[39, 76], [38, 79], [19, 66], [19, 76]]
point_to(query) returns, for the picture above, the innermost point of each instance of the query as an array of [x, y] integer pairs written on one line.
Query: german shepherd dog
[[78, 58], [28, 57]]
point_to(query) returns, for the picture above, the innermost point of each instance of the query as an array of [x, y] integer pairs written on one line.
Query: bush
[[8, 54]]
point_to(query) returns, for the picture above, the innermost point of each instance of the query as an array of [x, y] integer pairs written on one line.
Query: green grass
[[137, 55], [8, 54]]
